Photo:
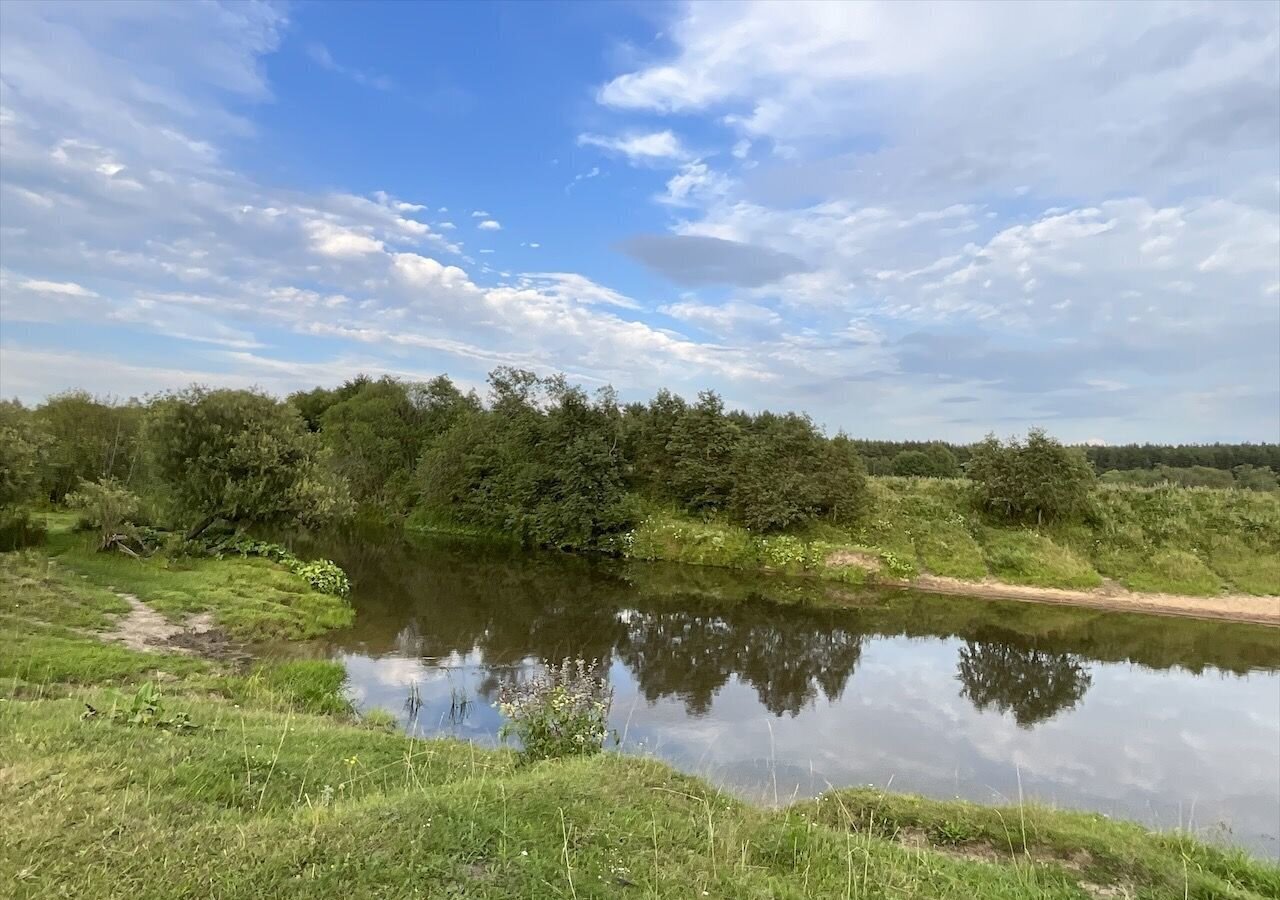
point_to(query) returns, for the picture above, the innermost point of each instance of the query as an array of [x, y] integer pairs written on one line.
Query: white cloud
[[643, 147], [489, 225], [68, 288], [335, 240], [479, 214]]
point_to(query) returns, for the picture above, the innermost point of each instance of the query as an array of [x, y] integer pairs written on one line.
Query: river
[[777, 688]]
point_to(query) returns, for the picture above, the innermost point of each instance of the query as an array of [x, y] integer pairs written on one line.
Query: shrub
[[1032, 481], [562, 712], [324, 575], [107, 505], [18, 529]]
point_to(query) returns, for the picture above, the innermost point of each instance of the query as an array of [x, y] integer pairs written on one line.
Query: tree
[[912, 463], [22, 450], [242, 457], [701, 449], [1032, 481], [647, 432], [542, 464], [942, 461], [89, 439], [374, 440], [842, 480]]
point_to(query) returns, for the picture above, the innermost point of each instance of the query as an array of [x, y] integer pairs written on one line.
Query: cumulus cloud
[[867, 241]]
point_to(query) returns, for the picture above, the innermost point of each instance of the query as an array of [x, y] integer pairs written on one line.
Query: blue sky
[[911, 220]]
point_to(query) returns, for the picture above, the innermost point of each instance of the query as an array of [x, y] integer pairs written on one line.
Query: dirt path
[[1230, 607], [142, 628]]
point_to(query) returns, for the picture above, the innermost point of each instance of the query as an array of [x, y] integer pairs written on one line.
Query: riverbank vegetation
[[257, 779], [542, 462]]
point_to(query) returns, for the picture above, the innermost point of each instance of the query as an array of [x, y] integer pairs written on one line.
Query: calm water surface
[[754, 683]]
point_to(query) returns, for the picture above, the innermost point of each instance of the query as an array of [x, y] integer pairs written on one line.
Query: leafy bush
[[562, 712], [107, 505], [1034, 480]]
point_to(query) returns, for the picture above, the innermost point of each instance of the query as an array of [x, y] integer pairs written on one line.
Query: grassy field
[[1192, 541], [140, 775]]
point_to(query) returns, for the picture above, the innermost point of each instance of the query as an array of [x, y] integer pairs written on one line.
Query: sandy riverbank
[[1231, 607]]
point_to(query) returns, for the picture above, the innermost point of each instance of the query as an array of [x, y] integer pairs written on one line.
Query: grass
[[1190, 541], [262, 783], [252, 599]]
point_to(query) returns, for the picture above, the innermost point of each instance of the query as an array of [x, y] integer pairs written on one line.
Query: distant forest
[[879, 456]]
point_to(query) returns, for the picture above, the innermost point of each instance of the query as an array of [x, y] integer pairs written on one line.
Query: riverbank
[[1174, 551], [256, 778]]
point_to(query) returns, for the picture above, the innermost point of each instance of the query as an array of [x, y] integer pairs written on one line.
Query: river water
[[764, 686]]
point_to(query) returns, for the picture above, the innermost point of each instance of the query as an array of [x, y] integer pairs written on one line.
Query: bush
[[1032, 481], [18, 529], [107, 505], [562, 712], [323, 575]]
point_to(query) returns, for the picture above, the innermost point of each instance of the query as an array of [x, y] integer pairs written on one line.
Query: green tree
[[543, 463], [701, 449], [374, 440], [1033, 480], [647, 432], [942, 461], [842, 481], [89, 439], [912, 462], [242, 457], [22, 449]]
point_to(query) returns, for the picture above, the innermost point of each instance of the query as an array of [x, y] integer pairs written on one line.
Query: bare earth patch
[[1232, 607], [144, 629], [854, 559]]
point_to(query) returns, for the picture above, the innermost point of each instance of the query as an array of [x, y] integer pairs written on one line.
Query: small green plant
[[146, 710], [951, 833], [562, 712]]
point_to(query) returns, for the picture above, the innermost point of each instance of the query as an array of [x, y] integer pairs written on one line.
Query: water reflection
[[763, 685], [1018, 678]]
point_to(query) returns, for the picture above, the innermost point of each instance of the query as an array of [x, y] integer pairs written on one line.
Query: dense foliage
[[240, 456], [536, 459], [1032, 480]]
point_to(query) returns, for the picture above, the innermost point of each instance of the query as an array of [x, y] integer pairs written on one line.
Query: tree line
[[537, 458], [886, 457]]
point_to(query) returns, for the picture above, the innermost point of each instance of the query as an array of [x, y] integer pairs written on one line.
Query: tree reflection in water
[[685, 632], [1013, 677]]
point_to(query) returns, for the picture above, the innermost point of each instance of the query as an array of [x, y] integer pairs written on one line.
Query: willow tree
[[241, 457]]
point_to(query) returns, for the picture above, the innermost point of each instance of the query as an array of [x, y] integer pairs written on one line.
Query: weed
[[564, 711]]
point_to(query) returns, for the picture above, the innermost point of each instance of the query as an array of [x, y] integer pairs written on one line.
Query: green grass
[[274, 789], [252, 599], [1190, 541], [1023, 556], [1093, 847]]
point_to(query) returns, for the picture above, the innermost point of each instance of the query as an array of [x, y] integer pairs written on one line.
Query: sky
[[910, 220]]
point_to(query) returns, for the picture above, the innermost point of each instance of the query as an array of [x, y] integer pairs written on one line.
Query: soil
[[1230, 607], [144, 629]]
